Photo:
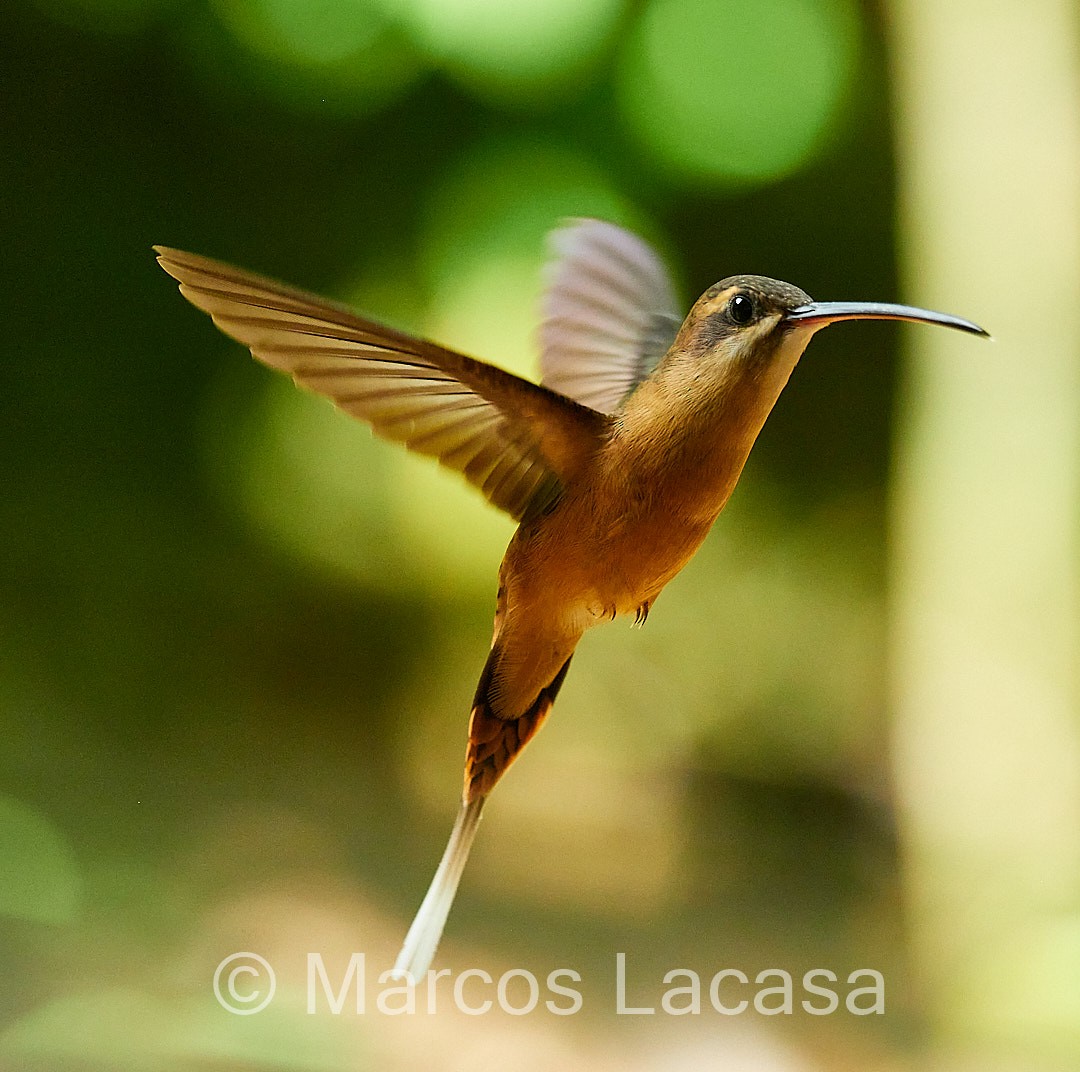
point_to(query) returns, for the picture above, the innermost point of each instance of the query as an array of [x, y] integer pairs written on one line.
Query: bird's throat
[[685, 439]]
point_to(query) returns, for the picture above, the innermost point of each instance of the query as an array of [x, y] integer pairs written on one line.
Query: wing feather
[[518, 442], [609, 314]]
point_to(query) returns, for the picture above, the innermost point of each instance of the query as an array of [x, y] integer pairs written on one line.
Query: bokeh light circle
[[510, 50], [721, 92]]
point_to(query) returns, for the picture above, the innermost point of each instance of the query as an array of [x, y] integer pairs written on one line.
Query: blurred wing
[[515, 441], [609, 314]]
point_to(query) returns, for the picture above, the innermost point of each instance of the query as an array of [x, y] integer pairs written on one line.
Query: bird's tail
[[423, 938], [493, 744]]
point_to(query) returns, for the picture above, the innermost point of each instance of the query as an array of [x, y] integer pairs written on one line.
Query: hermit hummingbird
[[615, 466]]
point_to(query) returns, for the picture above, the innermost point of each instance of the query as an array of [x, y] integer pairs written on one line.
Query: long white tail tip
[[422, 940]]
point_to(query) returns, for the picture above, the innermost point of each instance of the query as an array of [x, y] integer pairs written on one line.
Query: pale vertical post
[[985, 555]]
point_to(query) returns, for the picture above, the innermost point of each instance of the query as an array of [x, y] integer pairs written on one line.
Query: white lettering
[[504, 986], [433, 978], [832, 1003], [621, 1008], [406, 990], [459, 992], [564, 991], [317, 969], [784, 990], [878, 990], [714, 992], [692, 992]]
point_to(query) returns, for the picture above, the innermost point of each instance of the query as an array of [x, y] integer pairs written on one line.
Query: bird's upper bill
[[822, 313]]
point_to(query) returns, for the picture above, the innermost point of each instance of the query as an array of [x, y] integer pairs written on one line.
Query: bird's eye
[[741, 309]]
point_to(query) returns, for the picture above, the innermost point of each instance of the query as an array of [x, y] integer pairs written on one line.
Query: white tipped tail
[[423, 938]]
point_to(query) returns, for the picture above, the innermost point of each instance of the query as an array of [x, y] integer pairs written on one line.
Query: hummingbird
[[615, 466]]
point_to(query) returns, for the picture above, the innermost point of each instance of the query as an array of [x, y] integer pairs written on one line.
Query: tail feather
[[495, 742], [418, 951]]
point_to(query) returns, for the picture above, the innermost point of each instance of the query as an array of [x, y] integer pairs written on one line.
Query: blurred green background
[[240, 635]]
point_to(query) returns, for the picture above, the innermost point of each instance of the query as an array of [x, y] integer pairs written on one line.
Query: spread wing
[[609, 314], [516, 441]]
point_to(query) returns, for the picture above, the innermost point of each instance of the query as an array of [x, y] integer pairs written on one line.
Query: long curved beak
[[825, 312]]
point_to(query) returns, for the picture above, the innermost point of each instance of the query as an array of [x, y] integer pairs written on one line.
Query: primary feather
[[514, 440], [609, 313]]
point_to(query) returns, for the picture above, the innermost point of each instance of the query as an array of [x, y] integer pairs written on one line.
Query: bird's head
[[750, 323]]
